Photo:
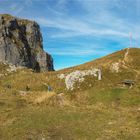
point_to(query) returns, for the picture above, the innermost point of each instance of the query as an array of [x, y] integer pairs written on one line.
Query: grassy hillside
[[93, 110]]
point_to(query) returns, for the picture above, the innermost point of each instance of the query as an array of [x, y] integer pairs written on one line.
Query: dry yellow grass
[[48, 98], [102, 111], [44, 96], [38, 97]]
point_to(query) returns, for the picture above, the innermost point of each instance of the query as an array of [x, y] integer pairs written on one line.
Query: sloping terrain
[[79, 105]]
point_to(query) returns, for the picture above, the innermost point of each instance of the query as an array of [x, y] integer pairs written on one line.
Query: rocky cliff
[[21, 44]]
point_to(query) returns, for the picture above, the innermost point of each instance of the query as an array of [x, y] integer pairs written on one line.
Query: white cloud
[[19, 6], [79, 50], [98, 21], [72, 27], [93, 23]]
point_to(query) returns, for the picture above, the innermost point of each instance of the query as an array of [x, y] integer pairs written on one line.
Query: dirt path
[[125, 57]]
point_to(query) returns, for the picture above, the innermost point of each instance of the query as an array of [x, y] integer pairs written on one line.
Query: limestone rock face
[[21, 44]]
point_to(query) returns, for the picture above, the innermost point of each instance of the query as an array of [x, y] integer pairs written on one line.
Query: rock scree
[[21, 44]]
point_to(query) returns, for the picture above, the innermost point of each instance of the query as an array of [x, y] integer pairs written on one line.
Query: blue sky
[[77, 31]]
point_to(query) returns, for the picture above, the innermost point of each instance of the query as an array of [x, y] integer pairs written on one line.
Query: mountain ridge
[[120, 53]]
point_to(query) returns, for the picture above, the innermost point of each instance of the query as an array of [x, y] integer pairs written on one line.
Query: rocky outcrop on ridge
[[21, 44]]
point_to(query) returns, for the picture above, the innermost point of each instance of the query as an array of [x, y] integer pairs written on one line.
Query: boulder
[[21, 44]]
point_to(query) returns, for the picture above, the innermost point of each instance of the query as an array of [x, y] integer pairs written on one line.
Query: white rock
[[61, 76], [13, 68], [115, 67], [77, 76]]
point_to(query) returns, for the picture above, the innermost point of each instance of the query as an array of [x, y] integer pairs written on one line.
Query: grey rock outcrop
[[21, 44]]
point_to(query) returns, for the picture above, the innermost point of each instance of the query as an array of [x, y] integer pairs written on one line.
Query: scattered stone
[[115, 67], [77, 76], [23, 92], [12, 68], [61, 76]]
